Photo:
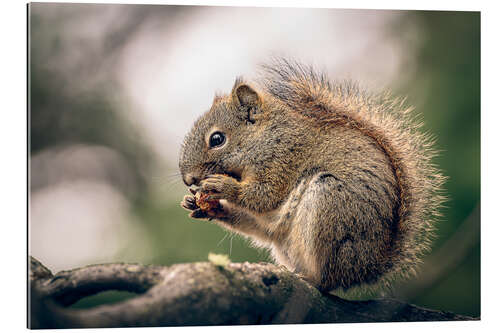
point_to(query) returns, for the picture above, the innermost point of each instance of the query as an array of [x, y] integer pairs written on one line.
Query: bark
[[200, 294]]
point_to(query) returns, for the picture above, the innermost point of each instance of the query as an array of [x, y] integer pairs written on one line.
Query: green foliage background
[[447, 89]]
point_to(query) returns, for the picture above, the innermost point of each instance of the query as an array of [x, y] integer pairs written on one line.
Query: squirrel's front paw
[[189, 203], [212, 211], [220, 187]]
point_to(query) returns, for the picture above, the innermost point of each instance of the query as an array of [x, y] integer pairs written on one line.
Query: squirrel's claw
[[189, 203]]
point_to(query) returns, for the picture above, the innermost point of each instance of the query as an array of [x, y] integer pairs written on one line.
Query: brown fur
[[338, 183]]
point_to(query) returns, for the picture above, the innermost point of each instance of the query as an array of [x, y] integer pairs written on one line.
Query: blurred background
[[114, 88]]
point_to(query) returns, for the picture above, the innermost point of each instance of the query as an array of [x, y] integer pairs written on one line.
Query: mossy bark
[[200, 294]]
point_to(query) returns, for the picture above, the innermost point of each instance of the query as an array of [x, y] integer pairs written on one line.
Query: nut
[[203, 203]]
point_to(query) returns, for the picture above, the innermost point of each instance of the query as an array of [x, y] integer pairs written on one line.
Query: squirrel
[[336, 182]]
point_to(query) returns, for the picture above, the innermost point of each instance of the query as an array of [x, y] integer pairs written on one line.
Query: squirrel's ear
[[244, 95]]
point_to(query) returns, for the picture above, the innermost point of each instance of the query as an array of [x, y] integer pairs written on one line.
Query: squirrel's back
[[394, 131]]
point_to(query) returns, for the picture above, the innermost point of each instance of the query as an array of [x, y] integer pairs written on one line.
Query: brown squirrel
[[336, 182]]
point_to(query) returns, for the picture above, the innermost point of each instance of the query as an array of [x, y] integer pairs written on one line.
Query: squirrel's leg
[[338, 234]]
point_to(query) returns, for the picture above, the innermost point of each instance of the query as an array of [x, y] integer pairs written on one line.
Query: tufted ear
[[245, 97]]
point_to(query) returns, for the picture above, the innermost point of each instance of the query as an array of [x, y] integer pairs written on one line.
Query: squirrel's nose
[[190, 179]]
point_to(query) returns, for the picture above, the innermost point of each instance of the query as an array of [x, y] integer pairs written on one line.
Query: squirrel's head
[[217, 139]]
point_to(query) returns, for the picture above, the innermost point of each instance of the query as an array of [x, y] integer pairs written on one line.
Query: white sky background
[[172, 74]]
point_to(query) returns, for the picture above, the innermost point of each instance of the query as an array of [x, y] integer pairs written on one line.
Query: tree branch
[[200, 294]]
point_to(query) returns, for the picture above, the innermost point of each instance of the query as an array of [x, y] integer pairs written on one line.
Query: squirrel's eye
[[216, 139]]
